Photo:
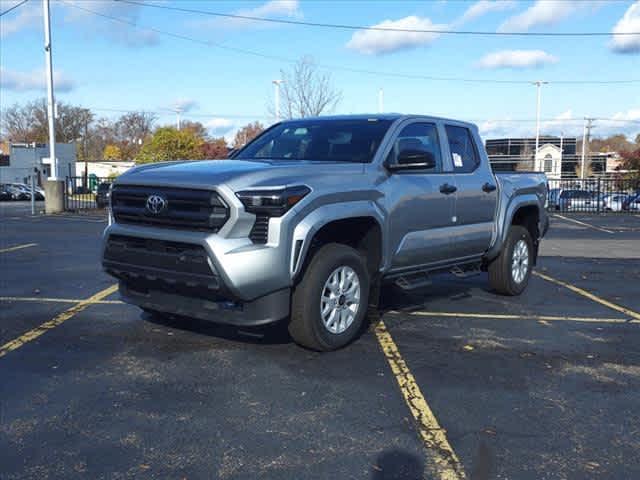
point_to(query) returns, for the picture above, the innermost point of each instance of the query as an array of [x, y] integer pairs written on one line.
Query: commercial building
[[557, 157], [25, 159]]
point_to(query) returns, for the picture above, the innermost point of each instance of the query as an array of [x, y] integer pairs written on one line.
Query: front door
[[422, 202]]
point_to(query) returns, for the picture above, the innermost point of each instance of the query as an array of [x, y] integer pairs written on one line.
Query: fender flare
[[308, 226]]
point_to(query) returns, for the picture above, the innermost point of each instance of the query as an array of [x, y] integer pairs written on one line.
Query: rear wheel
[[330, 302], [509, 273]]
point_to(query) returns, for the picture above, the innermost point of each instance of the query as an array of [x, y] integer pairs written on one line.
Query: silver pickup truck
[[312, 218]]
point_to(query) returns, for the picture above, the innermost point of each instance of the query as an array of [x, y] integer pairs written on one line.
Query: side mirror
[[413, 160]]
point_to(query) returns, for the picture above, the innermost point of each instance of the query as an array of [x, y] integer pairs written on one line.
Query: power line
[[373, 28], [337, 67], [13, 8]]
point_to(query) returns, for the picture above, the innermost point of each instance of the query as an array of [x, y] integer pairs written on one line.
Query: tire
[[308, 327], [503, 277]]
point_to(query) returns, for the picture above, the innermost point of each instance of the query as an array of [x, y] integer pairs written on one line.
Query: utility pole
[[586, 136], [50, 97], [276, 97], [538, 84], [380, 101], [178, 111], [561, 151]]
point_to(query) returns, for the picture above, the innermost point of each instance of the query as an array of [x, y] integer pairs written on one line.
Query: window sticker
[[457, 160]]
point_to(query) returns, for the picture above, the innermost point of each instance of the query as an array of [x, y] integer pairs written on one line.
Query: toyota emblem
[[156, 204]]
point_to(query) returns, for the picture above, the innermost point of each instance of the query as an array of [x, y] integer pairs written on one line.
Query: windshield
[[319, 140]]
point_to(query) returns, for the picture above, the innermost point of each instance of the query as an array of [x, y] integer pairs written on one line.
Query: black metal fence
[[594, 195], [86, 193]]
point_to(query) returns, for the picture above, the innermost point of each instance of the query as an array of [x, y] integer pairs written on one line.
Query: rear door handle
[[448, 189], [488, 187]]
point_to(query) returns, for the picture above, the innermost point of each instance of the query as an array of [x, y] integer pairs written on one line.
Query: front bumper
[[206, 276]]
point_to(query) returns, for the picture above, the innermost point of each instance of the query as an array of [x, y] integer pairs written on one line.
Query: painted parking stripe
[[584, 224], [57, 300], [501, 316], [580, 291], [17, 247], [442, 459], [58, 320]]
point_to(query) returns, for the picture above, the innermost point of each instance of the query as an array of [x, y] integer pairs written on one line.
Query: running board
[[466, 270], [413, 281]]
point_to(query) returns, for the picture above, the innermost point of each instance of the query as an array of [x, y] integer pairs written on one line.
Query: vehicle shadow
[[392, 298], [272, 334], [395, 464], [444, 286]]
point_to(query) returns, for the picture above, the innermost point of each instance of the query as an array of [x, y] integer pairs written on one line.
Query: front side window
[[464, 154], [422, 137], [319, 140]]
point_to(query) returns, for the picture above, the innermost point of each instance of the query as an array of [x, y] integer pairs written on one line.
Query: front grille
[[187, 209], [135, 254], [260, 230]]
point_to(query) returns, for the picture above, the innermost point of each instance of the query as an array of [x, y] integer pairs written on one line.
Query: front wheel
[[509, 273], [330, 302]]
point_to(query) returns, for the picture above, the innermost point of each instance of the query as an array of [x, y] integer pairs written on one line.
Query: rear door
[[476, 196]]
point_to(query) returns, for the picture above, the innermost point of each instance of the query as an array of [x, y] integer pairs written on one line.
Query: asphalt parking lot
[[460, 383]]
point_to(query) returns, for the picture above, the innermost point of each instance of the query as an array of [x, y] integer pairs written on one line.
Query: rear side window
[[418, 136], [464, 154]]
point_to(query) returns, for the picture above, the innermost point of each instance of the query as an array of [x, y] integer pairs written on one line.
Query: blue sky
[[104, 64]]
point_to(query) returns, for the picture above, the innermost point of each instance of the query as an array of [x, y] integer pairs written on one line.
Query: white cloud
[[35, 80], [482, 7], [566, 123], [630, 22], [25, 16], [516, 59], [270, 9], [184, 104], [376, 42], [122, 33], [289, 8], [219, 126], [547, 12]]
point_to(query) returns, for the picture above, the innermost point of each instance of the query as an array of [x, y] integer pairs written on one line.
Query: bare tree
[[132, 129], [306, 92]]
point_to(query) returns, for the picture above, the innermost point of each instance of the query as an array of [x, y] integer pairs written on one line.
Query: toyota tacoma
[[313, 217]]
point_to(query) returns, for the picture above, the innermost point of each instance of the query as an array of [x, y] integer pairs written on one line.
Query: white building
[[549, 160], [26, 159], [105, 169]]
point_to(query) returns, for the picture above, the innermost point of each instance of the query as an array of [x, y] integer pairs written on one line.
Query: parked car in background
[[102, 194], [632, 203], [613, 201], [584, 201], [4, 194], [17, 193]]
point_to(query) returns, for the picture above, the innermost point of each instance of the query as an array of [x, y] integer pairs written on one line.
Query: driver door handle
[[488, 187], [447, 189]]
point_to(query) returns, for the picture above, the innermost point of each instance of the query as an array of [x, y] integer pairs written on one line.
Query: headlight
[[273, 203]]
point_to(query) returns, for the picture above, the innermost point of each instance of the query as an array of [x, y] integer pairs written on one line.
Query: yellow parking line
[[501, 316], [58, 320], [56, 300], [590, 296], [17, 247], [442, 458]]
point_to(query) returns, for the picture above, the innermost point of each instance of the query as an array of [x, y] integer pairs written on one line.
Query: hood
[[237, 174]]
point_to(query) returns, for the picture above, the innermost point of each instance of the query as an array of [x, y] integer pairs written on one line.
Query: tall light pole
[[50, 98], [276, 97], [380, 101], [538, 84]]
